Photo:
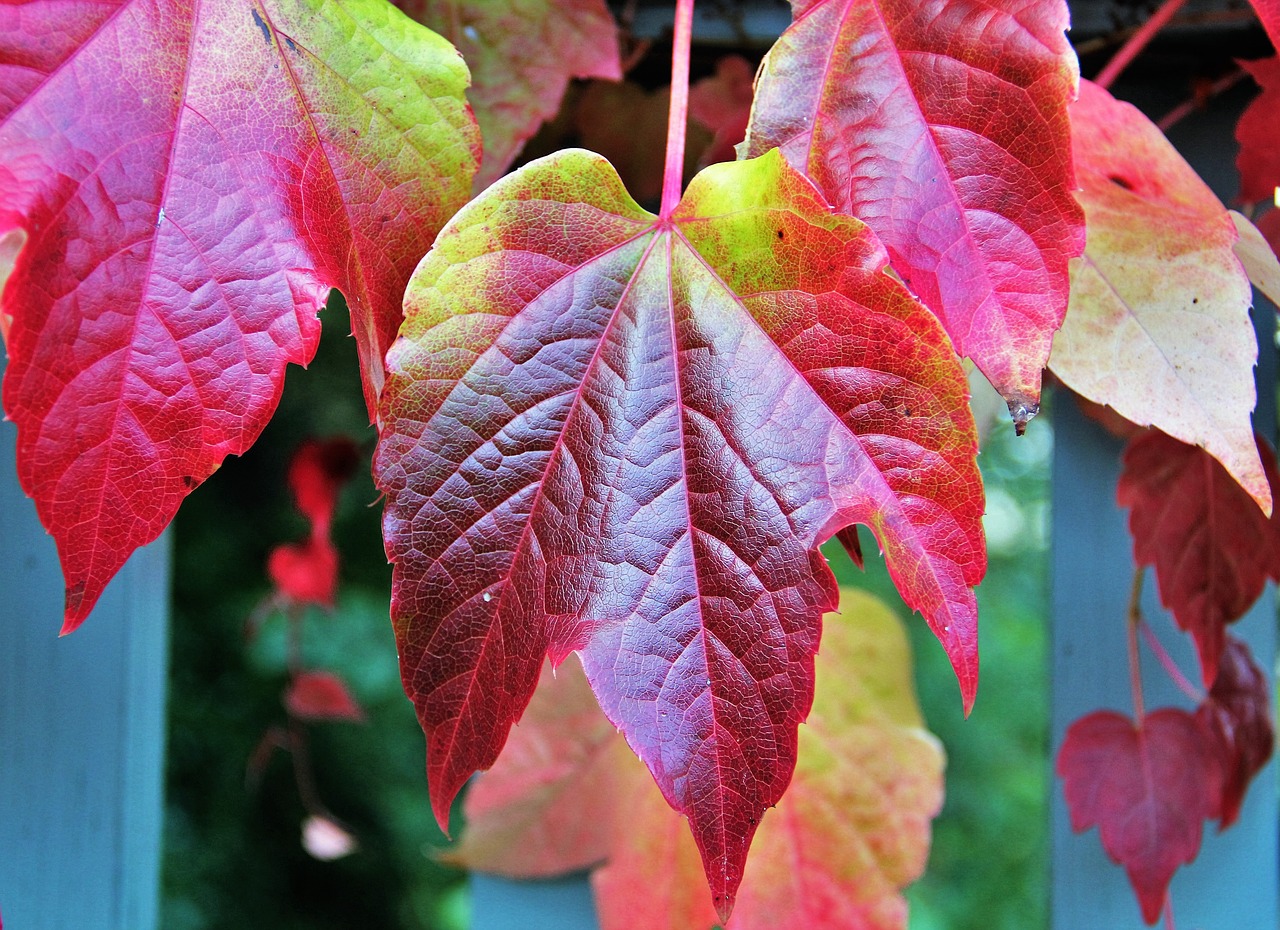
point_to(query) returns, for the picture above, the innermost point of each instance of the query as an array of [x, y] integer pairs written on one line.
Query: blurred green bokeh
[[233, 857]]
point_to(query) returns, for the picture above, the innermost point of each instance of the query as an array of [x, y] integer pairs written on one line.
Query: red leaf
[[306, 572], [1269, 12], [317, 473], [194, 177], [1212, 548], [722, 103], [1148, 789], [521, 54], [321, 696], [1238, 713], [1269, 226], [851, 831], [1259, 135], [626, 436], [943, 125]]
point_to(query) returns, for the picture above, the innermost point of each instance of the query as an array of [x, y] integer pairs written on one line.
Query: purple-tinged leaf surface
[[623, 436]]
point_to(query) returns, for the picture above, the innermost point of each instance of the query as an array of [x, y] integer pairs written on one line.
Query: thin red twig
[[1184, 684], [1197, 101], [1137, 42], [1168, 910], [1135, 662], [673, 170]]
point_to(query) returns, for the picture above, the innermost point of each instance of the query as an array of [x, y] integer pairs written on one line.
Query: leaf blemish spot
[[1120, 182], [261, 24]]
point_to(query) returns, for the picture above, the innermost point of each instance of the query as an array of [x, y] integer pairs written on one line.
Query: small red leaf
[[1212, 548], [1148, 790], [305, 572], [317, 473], [1269, 226], [1258, 133], [321, 696], [1238, 712]]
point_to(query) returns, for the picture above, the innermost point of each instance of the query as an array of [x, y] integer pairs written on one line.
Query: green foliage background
[[233, 857]]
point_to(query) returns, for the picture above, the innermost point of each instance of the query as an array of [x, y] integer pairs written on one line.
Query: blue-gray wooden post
[[81, 733], [1232, 885]]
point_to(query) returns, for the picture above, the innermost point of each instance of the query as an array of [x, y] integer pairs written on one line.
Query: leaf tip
[[1022, 409]]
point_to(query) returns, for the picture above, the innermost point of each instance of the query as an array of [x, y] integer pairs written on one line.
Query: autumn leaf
[[553, 801], [1159, 324], [722, 104], [321, 696], [317, 472], [1259, 259], [625, 435], [1269, 12], [943, 126], [305, 572], [852, 830], [1259, 158], [522, 54], [194, 178], [1148, 788], [1212, 548], [1238, 713]]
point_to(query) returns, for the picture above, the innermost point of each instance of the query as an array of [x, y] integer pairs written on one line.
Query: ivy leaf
[[552, 803], [1259, 158], [1148, 788], [623, 435], [943, 125], [1256, 254], [317, 472], [193, 178], [1238, 712], [521, 54], [722, 104], [305, 572], [1212, 548], [1159, 322], [852, 829], [321, 696], [1269, 12]]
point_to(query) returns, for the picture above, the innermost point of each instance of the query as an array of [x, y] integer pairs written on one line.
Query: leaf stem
[[1198, 100], [1162, 655], [1135, 662], [1137, 42], [1168, 910], [673, 169]]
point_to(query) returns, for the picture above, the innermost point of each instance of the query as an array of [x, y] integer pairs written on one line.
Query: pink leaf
[[521, 54], [193, 179], [943, 125], [321, 696], [1147, 788]]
